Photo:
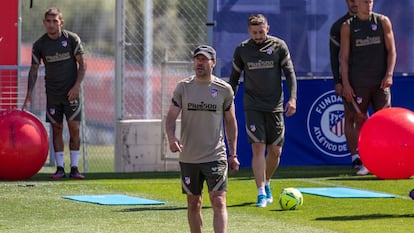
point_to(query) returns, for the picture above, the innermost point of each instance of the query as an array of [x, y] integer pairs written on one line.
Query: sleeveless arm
[[391, 51], [348, 93]]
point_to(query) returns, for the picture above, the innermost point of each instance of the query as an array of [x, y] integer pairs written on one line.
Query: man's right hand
[[338, 89], [348, 93], [27, 100], [176, 146]]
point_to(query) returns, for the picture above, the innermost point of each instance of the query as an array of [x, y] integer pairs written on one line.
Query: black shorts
[[265, 127], [57, 106], [375, 96], [193, 176]]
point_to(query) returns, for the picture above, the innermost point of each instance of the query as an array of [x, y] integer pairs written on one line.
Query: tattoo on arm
[[81, 67], [32, 78]]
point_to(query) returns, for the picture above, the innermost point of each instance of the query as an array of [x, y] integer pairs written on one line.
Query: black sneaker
[[357, 163], [60, 173], [75, 174]]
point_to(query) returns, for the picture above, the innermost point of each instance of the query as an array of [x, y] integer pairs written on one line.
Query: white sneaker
[[363, 171]]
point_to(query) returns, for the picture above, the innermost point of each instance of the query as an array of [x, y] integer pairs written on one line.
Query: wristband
[[235, 156]]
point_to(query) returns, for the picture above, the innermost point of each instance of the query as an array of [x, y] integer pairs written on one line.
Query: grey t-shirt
[[202, 109]]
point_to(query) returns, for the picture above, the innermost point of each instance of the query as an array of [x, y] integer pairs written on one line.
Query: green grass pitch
[[36, 205]]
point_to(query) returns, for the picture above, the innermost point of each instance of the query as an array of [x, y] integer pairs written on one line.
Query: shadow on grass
[[337, 172], [174, 208], [302, 172], [355, 178], [364, 217], [113, 175], [154, 208]]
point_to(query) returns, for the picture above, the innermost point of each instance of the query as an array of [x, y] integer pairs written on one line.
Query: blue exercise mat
[[338, 192], [114, 199]]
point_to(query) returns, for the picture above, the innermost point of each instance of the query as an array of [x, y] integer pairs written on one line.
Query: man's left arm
[[391, 51], [289, 71], [230, 126], [236, 69], [75, 90]]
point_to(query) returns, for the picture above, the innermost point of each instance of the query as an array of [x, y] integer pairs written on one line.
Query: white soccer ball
[[290, 199]]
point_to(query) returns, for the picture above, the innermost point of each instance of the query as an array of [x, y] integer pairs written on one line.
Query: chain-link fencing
[[156, 33]]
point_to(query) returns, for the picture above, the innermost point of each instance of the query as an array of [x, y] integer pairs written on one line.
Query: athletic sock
[[261, 191], [267, 182], [74, 158], [60, 159], [354, 156]]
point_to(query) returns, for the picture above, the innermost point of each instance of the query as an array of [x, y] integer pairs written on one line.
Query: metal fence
[[153, 32], [171, 73]]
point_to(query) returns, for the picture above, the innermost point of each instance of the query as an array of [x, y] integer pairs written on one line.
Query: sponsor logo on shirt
[[202, 107], [368, 41], [260, 65], [58, 57]]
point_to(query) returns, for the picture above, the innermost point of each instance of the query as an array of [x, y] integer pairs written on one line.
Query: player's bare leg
[[272, 163], [259, 171]]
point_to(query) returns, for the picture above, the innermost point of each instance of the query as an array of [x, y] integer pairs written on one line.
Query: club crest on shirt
[[214, 92], [64, 43], [374, 27], [269, 51], [326, 125]]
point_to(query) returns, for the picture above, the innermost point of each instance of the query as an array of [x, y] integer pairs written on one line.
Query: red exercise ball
[[24, 145], [386, 143]]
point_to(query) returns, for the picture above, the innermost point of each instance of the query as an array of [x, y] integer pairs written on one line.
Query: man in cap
[[203, 101]]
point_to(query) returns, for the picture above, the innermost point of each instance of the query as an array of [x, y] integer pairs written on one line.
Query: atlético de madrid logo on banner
[[326, 123]]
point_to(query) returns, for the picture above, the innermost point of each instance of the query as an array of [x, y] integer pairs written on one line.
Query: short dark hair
[[53, 11], [257, 19]]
